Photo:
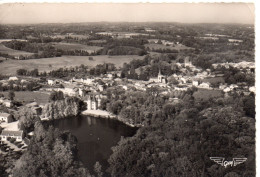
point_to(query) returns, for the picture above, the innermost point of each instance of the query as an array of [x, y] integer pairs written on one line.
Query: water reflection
[[95, 137]]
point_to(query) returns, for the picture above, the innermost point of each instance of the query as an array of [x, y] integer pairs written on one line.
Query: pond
[[95, 137]]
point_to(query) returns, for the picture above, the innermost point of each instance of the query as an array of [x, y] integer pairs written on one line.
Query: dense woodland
[[169, 146]]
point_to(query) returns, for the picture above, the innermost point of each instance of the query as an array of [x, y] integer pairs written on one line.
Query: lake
[[95, 137]]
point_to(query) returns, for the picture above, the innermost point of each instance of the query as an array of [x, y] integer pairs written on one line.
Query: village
[[92, 90]]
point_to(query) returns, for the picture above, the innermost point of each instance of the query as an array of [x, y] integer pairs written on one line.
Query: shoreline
[[97, 114], [105, 114]]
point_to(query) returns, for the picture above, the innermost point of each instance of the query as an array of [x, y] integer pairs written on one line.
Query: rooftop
[[3, 114], [12, 133]]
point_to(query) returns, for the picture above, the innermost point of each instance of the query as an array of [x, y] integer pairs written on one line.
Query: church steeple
[[159, 74]]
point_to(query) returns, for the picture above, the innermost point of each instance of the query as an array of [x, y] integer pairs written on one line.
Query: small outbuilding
[[6, 117]]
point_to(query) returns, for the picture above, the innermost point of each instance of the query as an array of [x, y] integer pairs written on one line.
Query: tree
[[249, 106], [50, 153], [11, 95], [21, 72], [27, 119], [54, 96], [169, 109], [98, 169]]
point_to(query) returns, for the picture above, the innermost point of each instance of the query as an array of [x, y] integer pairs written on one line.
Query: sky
[[28, 13]]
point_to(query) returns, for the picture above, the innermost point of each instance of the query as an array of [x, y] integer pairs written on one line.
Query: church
[[161, 78]]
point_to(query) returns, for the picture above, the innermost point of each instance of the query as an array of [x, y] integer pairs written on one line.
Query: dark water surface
[[95, 137]]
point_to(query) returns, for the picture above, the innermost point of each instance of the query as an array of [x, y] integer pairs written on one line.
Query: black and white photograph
[[127, 89]]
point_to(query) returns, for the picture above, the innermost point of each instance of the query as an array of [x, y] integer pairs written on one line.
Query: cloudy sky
[[84, 12]]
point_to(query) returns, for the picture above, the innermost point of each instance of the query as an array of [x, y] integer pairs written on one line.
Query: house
[[181, 88], [51, 82], [195, 83], [222, 86], [88, 81], [183, 80], [252, 89], [100, 88], [110, 76], [18, 135], [187, 61], [68, 91], [227, 90], [124, 87], [6, 102], [93, 102], [6, 117], [13, 78]]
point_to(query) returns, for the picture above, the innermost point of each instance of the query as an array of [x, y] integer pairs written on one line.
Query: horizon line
[[224, 23]]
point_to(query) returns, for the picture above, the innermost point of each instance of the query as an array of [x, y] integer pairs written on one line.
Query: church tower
[[161, 78]]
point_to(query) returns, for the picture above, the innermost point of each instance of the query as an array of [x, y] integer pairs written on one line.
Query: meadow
[[9, 67], [163, 47], [12, 52], [28, 96]]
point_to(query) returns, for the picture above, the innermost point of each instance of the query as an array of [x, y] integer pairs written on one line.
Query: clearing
[[9, 67], [15, 53]]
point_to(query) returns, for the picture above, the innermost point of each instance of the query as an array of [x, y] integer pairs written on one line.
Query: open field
[[205, 94], [27, 96], [74, 46], [161, 46], [98, 41], [12, 52], [9, 67]]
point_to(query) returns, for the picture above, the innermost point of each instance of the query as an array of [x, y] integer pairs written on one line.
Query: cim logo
[[221, 161]]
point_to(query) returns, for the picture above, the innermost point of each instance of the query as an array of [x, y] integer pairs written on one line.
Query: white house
[[88, 81], [18, 135], [252, 89], [183, 80], [222, 86], [227, 89], [100, 88], [110, 76], [13, 78], [124, 87], [181, 88], [51, 82], [195, 83], [93, 102], [6, 102], [6, 117], [187, 61]]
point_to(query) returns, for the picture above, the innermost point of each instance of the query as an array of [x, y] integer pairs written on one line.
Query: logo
[[221, 161]]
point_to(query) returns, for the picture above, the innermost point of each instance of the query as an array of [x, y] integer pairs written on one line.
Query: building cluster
[[6, 102], [10, 125], [90, 90], [240, 65]]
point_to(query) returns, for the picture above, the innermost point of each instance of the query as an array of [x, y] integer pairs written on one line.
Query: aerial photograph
[[127, 90]]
